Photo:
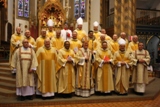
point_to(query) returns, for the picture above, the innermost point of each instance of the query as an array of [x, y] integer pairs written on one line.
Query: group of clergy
[[67, 62]]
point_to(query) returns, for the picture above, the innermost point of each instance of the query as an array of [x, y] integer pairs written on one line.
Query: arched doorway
[[152, 47], [52, 9]]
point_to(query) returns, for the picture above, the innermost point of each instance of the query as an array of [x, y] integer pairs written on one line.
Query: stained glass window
[[23, 8], [80, 9]]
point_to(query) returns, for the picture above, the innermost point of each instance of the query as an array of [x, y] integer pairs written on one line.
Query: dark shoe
[[22, 98], [30, 97], [14, 74], [122, 94], [108, 94], [44, 98], [38, 96], [140, 94], [52, 97], [67, 95]]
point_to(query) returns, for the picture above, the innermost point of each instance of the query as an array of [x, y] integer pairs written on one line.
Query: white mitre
[[50, 23], [79, 21], [95, 23], [121, 42]]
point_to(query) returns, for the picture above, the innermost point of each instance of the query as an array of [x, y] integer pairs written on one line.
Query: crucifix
[[67, 7]]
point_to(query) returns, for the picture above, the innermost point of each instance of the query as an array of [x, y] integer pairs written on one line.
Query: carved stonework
[[52, 9]]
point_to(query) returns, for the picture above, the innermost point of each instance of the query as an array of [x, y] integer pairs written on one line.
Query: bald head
[[18, 30], [115, 37], [25, 43], [135, 38], [27, 34], [123, 35], [102, 37]]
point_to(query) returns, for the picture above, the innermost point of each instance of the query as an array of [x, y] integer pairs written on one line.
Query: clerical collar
[[79, 29], [74, 39], [47, 48], [122, 51], [85, 50], [66, 49], [95, 31], [140, 50], [24, 48], [18, 34], [104, 49]]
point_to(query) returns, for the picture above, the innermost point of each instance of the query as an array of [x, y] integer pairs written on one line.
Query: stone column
[[124, 16]]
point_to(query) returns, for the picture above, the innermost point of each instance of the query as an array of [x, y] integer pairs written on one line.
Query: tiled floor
[[147, 103]]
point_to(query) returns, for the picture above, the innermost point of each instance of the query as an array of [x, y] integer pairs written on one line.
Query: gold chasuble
[[23, 60], [40, 42], [92, 44], [80, 34], [57, 43], [46, 71], [104, 76], [97, 35], [132, 46], [51, 34], [15, 41], [66, 72], [122, 72], [114, 46], [75, 44], [31, 41]]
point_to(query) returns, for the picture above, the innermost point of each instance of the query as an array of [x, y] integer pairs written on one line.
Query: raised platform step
[[152, 91], [7, 74], [5, 68], [7, 86], [4, 64], [8, 80], [7, 93]]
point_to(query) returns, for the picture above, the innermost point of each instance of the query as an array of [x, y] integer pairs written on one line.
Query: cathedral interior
[[135, 17]]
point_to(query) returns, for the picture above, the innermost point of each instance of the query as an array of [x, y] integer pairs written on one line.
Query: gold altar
[[52, 9]]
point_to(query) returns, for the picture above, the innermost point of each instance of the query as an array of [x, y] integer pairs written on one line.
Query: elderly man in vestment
[[133, 45], [99, 42], [80, 32], [104, 75], [141, 60], [46, 72], [50, 32], [114, 44], [25, 62], [96, 33], [16, 42], [84, 76], [75, 44], [107, 37], [123, 36], [40, 39], [65, 71], [66, 33], [122, 61], [30, 39], [58, 41]]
